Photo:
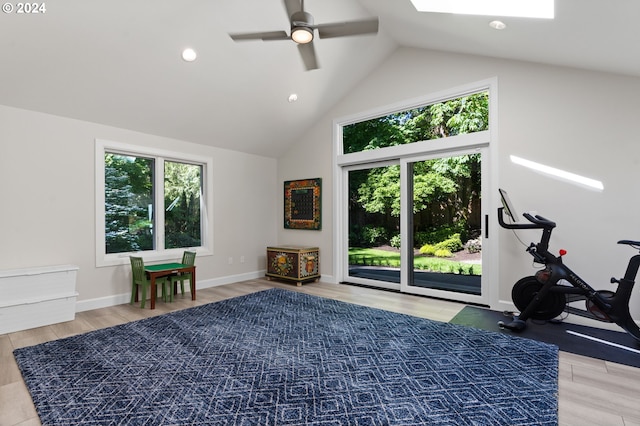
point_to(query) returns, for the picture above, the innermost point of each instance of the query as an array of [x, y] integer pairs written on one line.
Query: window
[[182, 189], [149, 201], [128, 203], [405, 174], [457, 116]]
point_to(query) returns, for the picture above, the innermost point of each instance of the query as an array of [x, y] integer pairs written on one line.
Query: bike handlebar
[[542, 221], [537, 221]]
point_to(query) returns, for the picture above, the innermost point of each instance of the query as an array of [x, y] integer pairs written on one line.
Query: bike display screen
[[508, 206]]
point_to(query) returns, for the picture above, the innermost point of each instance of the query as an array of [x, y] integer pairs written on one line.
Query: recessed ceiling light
[[293, 97], [518, 8], [189, 55], [497, 25]]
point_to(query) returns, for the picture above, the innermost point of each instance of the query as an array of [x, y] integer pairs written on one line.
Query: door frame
[[406, 213], [343, 263], [487, 140]]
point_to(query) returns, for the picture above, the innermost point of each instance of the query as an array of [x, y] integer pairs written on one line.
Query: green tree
[[128, 193], [372, 134], [454, 117], [182, 187], [445, 190], [379, 192]]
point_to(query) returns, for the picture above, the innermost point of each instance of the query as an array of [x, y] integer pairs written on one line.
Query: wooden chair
[[139, 279], [188, 258]]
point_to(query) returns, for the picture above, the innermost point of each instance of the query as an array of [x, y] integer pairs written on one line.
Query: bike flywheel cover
[[525, 291]]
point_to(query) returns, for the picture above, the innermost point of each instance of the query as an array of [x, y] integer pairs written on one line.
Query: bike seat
[[630, 243]]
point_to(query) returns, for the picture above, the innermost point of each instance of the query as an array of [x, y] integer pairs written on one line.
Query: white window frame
[[160, 156], [486, 138]]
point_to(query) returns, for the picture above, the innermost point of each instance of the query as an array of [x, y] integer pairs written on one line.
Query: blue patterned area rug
[[278, 357]]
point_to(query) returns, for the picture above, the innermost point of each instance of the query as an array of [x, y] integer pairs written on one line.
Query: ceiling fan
[[303, 30]]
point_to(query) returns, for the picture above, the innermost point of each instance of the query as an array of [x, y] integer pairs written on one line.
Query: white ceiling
[[117, 62]]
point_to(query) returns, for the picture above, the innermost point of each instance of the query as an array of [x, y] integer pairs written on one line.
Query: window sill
[[150, 256]]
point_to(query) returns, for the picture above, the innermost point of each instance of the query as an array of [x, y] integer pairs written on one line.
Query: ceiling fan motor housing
[[301, 19]]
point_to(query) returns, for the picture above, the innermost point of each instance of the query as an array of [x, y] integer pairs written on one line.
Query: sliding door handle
[[486, 226]]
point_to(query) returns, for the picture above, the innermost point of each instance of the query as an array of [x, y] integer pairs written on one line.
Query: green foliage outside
[[468, 114], [368, 236], [391, 259], [128, 193], [442, 233], [129, 204], [442, 252], [446, 191], [435, 250], [182, 186], [450, 245]]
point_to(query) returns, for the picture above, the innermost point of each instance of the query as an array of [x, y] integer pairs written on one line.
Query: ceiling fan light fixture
[[302, 35]]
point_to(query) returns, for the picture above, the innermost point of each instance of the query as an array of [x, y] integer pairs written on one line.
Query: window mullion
[[158, 217]]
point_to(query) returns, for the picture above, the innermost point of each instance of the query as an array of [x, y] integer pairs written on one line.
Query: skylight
[[519, 8]]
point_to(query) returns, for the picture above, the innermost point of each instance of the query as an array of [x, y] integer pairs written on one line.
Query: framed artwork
[[302, 208]]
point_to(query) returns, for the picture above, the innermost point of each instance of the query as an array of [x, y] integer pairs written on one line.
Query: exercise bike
[[545, 295]]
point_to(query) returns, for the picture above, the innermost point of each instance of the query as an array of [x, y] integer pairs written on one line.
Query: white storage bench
[[34, 297]]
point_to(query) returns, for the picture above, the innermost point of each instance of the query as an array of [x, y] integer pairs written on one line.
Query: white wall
[[567, 118], [308, 160], [47, 202], [584, 122]]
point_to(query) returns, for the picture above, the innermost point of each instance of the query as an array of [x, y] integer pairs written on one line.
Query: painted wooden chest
[[293, 263]]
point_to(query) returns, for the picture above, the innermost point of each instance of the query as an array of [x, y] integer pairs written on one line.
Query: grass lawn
[[387, 258]]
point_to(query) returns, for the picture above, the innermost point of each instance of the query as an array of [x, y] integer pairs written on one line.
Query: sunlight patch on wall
[[558, 173], [518, 8]]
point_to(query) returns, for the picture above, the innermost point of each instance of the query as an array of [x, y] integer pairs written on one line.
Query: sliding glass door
[[442, 212], [374, 225], [410, 212], [415, 225]]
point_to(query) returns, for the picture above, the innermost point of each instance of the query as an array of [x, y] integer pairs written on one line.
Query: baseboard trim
[[120, 299]]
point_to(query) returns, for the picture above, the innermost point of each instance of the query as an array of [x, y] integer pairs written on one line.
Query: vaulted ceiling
[[118, 62]]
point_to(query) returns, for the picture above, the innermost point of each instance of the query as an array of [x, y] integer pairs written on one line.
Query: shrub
[[367, 236], [428, 249], [474, 246], [395, 241], [422, 238], [453, 244], [374, 235], [443, 252], [450, 245], [436, 235]]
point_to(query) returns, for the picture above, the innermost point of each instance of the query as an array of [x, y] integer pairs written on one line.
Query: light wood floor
[[591, 392]]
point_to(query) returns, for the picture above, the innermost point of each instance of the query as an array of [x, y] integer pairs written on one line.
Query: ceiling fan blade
[[308, 54], [292, 6], [341, 29], [264, 36]]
